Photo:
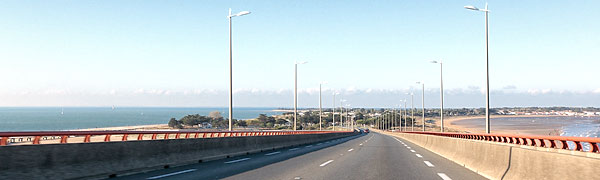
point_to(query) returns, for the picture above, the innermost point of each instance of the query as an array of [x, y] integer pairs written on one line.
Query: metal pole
[[333, 111], [412, 111], [487, 69], [423, 105], [441, 98], [295, 93], [401, 129], [320, 109], [405, 116], [230, 74]]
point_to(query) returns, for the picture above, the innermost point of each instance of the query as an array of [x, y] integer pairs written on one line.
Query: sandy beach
[[453, 124]]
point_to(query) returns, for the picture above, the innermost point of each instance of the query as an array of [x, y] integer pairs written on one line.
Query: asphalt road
[[370, 156]]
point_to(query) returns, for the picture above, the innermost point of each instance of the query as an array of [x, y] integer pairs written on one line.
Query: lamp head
[[471, 8], [301, 62]]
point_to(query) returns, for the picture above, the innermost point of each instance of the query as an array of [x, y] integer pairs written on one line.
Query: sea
[[70, 118], [578, 126]]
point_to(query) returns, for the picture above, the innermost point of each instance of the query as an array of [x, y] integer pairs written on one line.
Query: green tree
[[173, 123]]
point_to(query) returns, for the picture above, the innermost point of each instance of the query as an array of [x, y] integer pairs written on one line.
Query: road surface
[[370, 156]]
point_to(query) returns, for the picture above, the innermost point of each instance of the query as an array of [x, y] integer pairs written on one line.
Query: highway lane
[[371, 156]]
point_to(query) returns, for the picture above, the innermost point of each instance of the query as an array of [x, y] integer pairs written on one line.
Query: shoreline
[[542, 129]]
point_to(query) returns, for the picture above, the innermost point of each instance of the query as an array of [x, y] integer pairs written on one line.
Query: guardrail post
[[124, 137], [166, 136], [3, 141], [564, 144], [85, 140], [154, 136], [36, 140], [177, 135], [578, 146], [187, 135], [140, 137], [196, 136], [63, 139], [594, 147], [107, 138]]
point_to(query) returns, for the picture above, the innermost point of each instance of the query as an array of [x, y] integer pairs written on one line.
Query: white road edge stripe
[[325, 163], [273, 153], [444, 176], [350, 150], [234, 161], [428, 164], [418, 155], [172, 174]]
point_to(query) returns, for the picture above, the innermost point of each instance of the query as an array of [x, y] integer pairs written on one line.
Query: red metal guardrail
[[62, 137], [560, 142]]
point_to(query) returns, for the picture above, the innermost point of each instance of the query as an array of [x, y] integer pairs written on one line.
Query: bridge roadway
[[370, 156]]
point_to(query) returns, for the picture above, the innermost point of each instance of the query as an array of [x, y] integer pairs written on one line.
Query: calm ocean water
[[50, 118], [568, 125]]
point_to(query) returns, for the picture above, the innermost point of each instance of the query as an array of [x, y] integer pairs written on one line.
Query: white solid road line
[[428, 164], [444, 176], [293, 149], [360, 144], [412, 150], [350, 150], [172, 174], [273, 153], [418, 155], [234, 161], [325, 163]]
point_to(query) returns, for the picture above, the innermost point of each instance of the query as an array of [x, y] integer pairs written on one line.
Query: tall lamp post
[[423, 102], [320, 106], [296, 91], [441, 95], [333, 110], [487, 66], [230, 65]]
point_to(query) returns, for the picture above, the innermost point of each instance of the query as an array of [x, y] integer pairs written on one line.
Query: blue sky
[[175, 53]]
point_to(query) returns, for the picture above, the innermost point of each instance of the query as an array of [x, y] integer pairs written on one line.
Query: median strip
[[325, 163], [234, 161], [172, 174]]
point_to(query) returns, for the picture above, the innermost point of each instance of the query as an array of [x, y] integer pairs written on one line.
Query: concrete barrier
[[506, 161], [101, 160]]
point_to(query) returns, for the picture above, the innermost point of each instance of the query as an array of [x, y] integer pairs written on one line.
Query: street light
[[423, 102], [296, 91], [320, 106], [441, 95], [230, 65], [333, 109], [342, 112], [487, 67]]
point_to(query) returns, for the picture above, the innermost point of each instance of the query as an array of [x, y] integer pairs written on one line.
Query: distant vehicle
[[366, 130]]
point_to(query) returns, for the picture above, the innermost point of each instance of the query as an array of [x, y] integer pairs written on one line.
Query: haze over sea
[[50, 118]]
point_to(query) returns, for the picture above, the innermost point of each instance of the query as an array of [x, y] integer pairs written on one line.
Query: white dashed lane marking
[[172, 174], [444, 176], [273, 153], [293, 149], [418, 155], [412, 150], [428, 164], [350, 150], [325, 163], [239, 160]]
